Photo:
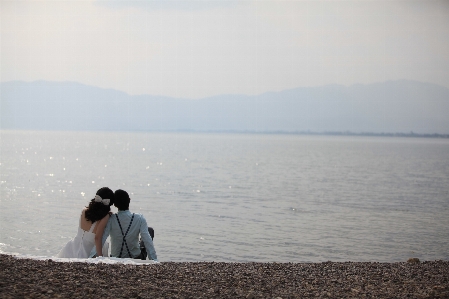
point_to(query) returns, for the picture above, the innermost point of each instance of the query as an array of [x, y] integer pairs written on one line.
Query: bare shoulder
[[106, 218]]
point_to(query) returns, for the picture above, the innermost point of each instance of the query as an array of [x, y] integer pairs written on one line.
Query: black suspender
[[124, 236]]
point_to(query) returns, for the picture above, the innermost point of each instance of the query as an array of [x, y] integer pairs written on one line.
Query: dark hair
[[97, 210], [121, 200]]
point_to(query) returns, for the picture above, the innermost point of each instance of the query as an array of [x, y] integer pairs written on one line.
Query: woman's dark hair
[[97, 210]]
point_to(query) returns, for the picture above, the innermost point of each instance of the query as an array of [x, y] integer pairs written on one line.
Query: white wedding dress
[[82, 244]]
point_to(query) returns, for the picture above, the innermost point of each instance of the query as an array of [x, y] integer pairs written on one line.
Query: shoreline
[[26, 278]]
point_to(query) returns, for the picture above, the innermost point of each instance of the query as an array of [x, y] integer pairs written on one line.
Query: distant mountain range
[[389, 107]]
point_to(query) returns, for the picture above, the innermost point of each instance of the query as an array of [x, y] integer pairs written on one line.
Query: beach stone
[[413, 260]]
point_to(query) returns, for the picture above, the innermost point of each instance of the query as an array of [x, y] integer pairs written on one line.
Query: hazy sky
[[195, 49]]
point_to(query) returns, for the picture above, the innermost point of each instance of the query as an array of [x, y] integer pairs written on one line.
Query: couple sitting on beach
[[97, 223]]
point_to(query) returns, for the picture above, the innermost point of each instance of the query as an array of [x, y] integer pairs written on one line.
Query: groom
[[124, 228]]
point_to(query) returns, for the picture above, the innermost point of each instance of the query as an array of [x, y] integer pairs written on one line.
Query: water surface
[[234, 197]]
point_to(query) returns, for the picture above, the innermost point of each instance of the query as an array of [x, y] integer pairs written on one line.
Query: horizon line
[[249, 132]]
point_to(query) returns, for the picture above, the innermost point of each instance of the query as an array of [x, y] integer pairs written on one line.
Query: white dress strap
[[92, 226]]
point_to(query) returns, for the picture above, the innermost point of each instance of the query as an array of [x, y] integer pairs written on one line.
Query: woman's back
[[82, 244], [92, 221], [85, 224]]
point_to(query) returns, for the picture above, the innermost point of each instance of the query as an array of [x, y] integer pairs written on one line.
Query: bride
[[93, 220]]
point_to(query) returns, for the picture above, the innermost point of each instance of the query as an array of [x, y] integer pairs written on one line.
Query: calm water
[[224, 197]]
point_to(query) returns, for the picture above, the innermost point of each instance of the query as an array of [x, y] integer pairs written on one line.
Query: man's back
[[130, 225], [125, 227]]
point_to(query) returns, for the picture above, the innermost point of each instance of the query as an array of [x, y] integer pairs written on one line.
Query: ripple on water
[[308, 200]]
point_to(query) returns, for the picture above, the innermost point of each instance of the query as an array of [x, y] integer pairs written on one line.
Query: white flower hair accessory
[[105, 201]]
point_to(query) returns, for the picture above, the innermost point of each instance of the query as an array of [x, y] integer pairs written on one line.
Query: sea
[[234, 197]]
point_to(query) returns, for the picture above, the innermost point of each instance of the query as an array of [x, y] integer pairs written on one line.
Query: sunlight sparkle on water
[[309, 196]]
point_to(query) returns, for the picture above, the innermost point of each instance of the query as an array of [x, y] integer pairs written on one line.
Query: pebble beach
[[26, 278]]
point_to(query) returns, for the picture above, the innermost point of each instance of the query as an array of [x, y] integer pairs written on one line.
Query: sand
[[25, 278]]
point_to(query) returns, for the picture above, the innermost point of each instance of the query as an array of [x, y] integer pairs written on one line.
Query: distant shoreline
[[392, 108], [310, 133], [328, 133]]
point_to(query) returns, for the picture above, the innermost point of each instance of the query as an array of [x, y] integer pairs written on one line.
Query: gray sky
[[194, 49]]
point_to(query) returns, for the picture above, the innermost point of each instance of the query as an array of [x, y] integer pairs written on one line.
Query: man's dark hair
[[121, 200]]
